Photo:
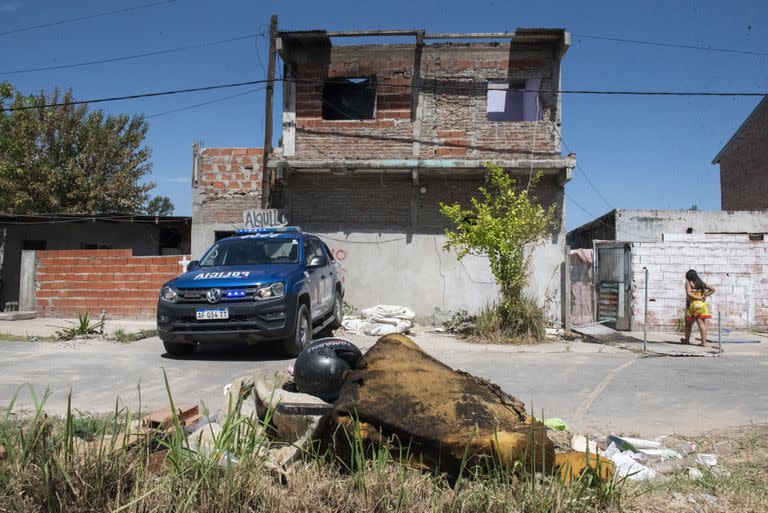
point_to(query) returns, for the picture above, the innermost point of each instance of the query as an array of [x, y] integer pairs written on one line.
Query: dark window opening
[[95, 245], [349, 98], [514, 101], [756, 237], [33, 245], [689, 230]]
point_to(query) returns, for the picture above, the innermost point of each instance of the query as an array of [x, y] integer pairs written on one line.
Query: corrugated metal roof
[[101, 216]]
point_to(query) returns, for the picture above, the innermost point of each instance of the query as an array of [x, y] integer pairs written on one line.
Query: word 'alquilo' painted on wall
[[265, 218]]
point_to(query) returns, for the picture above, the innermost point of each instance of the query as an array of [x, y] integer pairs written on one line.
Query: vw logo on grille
[[213, 295]]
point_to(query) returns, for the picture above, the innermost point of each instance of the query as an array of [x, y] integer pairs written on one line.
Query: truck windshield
[[252, 252]]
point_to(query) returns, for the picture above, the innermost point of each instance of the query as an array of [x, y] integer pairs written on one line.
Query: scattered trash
[[381, 320], [579, 443], [693, 473], [686, 448], [621, 444], [710, 460], [627, 466], [556, 424]]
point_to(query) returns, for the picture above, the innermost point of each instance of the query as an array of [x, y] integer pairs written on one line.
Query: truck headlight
[[276, 289], [169, 294]]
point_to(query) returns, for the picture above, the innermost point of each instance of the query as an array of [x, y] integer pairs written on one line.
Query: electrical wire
[[130, 57], [217, 100], [253, 82], [669, 45], [136, 96], [82, 18]]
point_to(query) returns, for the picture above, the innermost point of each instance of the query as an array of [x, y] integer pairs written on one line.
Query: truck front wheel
[[302, 333]]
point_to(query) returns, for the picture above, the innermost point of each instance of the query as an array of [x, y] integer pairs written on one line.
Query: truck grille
[[197, 295]]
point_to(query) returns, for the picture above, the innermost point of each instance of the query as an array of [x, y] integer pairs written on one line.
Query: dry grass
[[47, 468]]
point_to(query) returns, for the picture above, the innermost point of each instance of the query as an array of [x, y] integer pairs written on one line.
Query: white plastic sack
[[379, 329], [389, 314], [626, 466]]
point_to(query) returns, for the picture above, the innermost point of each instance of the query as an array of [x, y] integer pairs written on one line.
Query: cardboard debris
[[163, 418]]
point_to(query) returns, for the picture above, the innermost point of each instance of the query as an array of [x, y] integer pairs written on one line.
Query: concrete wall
[[744, 165], [453, 121], [736, 266], [390, 235], [650, 225], [141, 238], [225, 182], [71, 281], [385, 268]]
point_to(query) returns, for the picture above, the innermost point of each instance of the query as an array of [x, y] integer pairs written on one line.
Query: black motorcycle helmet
[[319, 369]]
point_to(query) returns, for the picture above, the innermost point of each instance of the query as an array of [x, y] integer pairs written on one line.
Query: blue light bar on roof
[[279, 229]]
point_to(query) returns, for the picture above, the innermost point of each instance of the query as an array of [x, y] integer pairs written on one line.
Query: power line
[[253, 82], [129, 57], [484, 87], [136, 96], [204, 103], [670, 45], [585, 175], [82, 18]]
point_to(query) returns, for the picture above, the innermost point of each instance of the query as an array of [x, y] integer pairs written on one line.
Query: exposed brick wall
[[455, 123], [734, 265], [126, 286], [229, 181], [744, 166]]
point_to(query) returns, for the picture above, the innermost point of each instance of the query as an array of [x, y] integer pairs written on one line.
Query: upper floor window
[[514, 101], [349, 98]]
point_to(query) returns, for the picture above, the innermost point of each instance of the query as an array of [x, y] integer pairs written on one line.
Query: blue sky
[[640, 152]]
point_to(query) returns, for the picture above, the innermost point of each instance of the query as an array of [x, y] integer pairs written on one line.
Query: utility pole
[[266, 179]]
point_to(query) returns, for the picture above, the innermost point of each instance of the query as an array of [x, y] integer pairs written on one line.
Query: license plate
[[208, 314]]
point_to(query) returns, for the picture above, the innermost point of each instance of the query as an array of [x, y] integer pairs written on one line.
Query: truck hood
[[233, 276]]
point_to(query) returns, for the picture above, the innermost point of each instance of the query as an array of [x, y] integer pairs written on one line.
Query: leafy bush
[[505, 223]]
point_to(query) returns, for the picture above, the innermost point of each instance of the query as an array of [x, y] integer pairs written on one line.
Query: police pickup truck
[[277, 284]]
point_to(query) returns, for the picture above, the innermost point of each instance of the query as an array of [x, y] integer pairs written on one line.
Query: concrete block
[[17, 316]]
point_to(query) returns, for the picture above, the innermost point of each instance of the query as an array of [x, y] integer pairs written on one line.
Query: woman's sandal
[[685, 341]]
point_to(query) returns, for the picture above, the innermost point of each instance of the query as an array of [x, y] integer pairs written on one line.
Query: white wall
[[649, 225], [383, 268], [734, 265]]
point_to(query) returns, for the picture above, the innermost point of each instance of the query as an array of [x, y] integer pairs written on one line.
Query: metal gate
[[614, 284]]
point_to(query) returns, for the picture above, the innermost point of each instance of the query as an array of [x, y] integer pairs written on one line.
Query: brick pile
[[733, 264], [72, 281]]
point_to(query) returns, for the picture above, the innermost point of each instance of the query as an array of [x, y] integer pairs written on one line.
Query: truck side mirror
[[194, 264], [316, 261]]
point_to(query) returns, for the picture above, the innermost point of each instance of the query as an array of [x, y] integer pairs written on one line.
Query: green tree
[[160, 206], [69, 159], [504, 223]]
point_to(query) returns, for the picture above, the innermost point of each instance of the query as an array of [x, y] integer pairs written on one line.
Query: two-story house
[[375, 136]]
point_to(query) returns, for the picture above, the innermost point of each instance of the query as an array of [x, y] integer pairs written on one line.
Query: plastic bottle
[[686, 448], [223, 459]]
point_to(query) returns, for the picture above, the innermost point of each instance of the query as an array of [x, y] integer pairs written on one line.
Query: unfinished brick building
[[744, 164], [375, 136]]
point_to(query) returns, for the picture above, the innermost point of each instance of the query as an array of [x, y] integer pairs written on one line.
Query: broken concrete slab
[[270, 390], [17, 316]]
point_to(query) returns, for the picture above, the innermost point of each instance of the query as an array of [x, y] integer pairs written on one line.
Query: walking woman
[[696, 294]]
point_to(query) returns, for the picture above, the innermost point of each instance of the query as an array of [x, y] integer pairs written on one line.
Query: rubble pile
[[396, 396]]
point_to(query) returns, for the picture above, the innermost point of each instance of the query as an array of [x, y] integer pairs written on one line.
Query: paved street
[[595, 388]]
